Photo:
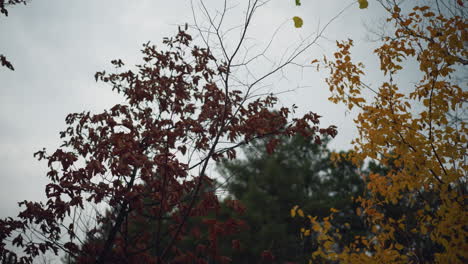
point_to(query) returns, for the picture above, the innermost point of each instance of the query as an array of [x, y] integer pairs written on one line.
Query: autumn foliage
[[416, 129], [4, 62], [147, 160]]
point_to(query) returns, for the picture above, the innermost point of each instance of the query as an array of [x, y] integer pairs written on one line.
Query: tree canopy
[[131, 184], [268, 184], [179, 114], [417, 130]]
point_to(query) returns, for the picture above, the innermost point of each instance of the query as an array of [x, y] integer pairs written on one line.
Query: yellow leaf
[[423, 230], [298, 22], [293, 210], [300, 213], [328, 244], [363, 4]]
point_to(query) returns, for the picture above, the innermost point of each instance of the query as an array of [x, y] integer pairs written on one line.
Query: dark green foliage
[[269, 185]]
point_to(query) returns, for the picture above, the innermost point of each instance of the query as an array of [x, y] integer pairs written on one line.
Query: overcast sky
[[57, 46]]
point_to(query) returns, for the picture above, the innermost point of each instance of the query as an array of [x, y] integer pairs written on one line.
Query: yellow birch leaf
[[300, 213], [423, 230], [298, 22], [293, 210], [328, 244], [363, 4]]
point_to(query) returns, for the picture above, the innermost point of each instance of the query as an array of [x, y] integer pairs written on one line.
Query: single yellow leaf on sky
[[363, 4], [298, 22]]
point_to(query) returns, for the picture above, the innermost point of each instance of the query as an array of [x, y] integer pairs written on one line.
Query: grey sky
[[57, 46]]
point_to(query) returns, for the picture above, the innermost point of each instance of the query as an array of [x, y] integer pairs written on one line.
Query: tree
[[417, 131], [139, 226], [3, 4], [180, 113], [298, 172]]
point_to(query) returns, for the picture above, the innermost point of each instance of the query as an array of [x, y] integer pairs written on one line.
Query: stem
[[120, 218]]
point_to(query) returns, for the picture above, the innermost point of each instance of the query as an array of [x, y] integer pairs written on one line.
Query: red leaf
[[267, 256], [236, 244]]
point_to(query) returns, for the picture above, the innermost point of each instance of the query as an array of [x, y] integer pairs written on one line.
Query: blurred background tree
[[268, 185]]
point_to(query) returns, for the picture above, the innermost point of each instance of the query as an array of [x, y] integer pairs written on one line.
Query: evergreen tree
[[270, 184]]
